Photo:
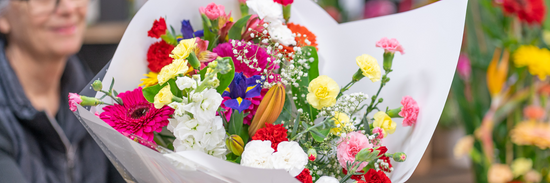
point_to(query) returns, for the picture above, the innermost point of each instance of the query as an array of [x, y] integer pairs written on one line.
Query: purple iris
[[188, 32], [240, 89]]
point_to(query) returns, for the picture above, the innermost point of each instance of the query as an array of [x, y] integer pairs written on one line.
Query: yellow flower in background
[[463, 146], [163, 97], [531, 133], [521, 166], [184, 48], [535, 59], [341, 123], [323, 91], [382, 120], [151, 79], [369, 66], [179, 66], [499, 173]]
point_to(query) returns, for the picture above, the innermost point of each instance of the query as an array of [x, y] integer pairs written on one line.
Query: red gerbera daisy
[[136, 116], [274, 133], [530, 11], [158, 56]]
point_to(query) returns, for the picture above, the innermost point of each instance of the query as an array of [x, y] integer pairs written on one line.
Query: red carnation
[[305, 176], [382, 150], [373, 176], [158, 55], [158, 29], [354, 177], [284, 2], [386, 159], [273, 133], [530, 11]]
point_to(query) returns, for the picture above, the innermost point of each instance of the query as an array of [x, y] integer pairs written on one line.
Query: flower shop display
[[250, 98]]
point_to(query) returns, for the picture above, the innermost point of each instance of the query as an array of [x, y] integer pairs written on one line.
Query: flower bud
[[286, 12], [223, 65], [312, 154], [97, 85], [388, 59], [235, 144], [399, 157], [269, 109], [89, 101], [394, 113], [193, 60], [358, 75], [367, 155]]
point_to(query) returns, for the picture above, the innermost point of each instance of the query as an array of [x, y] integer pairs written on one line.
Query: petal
[[238, 104]]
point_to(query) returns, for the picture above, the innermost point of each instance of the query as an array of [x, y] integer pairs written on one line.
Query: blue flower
[[240, 90], [188, 32]]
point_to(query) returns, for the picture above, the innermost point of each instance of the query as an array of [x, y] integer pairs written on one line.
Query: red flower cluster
[[158, 55], [530, 11], [273, 133], [374, 176], [386, 160], [382, 150], [158, 29], [354, 177], [305, 176], [284, 2]]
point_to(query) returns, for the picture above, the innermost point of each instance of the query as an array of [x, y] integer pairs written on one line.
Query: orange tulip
[[496, 74], [269, 110]]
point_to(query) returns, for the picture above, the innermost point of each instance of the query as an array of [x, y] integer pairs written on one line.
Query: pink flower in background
[[390, 45], [378, 8], [409, 111], [242, 1], [252, 52], [534, 112], [213, 11], [253, 26], [284, 2], [380, 132], [349, 146], [464, 67], [73, 100], [136, 116]]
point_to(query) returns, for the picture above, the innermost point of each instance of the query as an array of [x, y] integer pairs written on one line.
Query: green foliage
[[236, 30]]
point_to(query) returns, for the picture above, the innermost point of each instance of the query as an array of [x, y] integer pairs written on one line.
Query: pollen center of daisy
[[139, 112]]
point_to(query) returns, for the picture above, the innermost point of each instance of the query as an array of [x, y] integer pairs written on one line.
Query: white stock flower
[[204, 136], [257, 154], [174, 122], [291, 157], [281, 33], [186, 82], [266, 9], [327, 179], [204, 105]]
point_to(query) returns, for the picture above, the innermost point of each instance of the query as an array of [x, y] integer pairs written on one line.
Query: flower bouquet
[[257, 98]]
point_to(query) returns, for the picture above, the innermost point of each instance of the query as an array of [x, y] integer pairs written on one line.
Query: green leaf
[[150, 92], [244, 134], [319, 135], [225, 79], [286, 113], [174, 88], [313, 72], [236, 123], [112, 84], [236, 31], [210, 36], [169, 38], [313, 66]]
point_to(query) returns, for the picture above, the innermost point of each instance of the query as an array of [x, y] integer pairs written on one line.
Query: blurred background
[[494, 127]]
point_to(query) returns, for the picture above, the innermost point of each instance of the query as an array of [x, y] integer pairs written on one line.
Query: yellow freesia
[[341, 123], [322, 92], [382, 120], [150, 80], [184, 48], [163, 97], [179, 66], [369, 66]]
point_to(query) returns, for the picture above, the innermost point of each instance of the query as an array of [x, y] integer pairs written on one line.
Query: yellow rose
[[369, 66], [463, 146], [499, 173], [382, 120], [184, 48], [163, 97], [322, 92], [178, 66], [521, 166], [341, 123]]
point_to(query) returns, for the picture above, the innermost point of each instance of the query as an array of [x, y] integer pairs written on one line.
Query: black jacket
[[35, 147]]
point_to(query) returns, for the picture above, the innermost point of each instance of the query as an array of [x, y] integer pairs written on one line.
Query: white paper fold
[[431, 36]]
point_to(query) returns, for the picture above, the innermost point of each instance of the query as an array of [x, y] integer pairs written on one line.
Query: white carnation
[[291, 157], [267, 10], [186, 82], [327, 179], [281, 33], [257, 154]]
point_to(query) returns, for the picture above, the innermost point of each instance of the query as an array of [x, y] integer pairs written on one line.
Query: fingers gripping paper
[[431, 36]]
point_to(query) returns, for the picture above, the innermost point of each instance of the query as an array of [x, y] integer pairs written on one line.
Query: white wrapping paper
[[431, 36]]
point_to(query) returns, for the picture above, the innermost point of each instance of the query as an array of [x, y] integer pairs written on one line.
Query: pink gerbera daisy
[[136, 116]]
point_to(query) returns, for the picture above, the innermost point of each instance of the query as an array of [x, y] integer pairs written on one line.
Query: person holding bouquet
[[40, 139]]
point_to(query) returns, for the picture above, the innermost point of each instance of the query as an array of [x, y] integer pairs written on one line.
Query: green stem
[[345, 88], [374, 102], [109, 94]]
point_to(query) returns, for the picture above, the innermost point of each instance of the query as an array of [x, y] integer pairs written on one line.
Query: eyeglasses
[[41, 7]]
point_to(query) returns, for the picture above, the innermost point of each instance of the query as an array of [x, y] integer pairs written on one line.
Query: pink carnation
[[242, 1], [409, 111], [464, 67], [349, 146], [73, 100], [212, 11], [378, 131], [390, 45]]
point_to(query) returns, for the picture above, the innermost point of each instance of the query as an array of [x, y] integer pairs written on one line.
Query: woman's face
[[44, 28]]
